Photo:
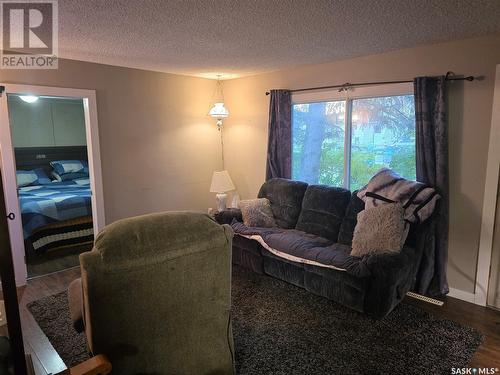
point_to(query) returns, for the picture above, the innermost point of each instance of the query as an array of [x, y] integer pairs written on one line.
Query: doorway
[[52, 176], [487, 291], [494, 282]]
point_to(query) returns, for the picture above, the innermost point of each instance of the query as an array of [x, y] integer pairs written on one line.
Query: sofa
[[155, 295], [311, 245]]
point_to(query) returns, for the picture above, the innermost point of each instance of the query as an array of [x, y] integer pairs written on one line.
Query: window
[[344, 141]]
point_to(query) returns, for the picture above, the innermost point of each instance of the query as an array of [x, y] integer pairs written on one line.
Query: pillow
[[43, 179], [25, 178], [70, 176], [32, 177], [257, 213], [380, 229], [62, 167]]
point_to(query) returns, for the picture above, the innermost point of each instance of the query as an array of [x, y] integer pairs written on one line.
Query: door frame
[[489, 202], [9, 168]]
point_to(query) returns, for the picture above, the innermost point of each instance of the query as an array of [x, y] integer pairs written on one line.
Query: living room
[[147, 86]]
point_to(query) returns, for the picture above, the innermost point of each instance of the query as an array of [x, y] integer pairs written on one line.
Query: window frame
[[364, 92]]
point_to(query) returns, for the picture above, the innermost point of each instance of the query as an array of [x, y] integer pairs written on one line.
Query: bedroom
[[50, 150], [146, 76]]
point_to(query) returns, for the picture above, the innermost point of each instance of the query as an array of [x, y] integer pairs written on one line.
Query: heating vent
[[425, 299]]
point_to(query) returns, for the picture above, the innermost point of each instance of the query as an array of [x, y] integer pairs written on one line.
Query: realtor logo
[[29, 37]]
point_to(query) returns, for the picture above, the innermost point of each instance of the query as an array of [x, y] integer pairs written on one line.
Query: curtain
[[279, 146], [432, 169]]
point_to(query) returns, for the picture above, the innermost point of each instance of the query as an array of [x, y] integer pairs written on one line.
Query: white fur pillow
[[380, 229], [257, 213]]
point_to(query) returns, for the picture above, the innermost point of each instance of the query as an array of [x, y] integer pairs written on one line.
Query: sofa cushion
[[286, 200], [323, 208], [306, 246], [350, 219]]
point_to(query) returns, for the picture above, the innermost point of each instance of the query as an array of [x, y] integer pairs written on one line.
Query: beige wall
[[158, 146], [469, 119]]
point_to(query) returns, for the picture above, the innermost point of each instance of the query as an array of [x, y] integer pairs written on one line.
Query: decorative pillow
[[257, 213], [62, 167], [25, 178], [380, 229]]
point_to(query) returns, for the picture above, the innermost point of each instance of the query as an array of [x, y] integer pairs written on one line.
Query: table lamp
[[221, 184]]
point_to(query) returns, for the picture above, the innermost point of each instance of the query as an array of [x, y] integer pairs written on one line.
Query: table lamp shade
[[221, 182]]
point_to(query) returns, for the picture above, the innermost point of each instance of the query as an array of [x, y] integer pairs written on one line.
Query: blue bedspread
[[45, 204]]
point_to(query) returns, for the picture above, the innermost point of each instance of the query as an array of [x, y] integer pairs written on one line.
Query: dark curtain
[[279, 146], [432, 169]]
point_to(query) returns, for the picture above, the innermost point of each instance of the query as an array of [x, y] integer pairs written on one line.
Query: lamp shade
[[221, 182], [219, 111]]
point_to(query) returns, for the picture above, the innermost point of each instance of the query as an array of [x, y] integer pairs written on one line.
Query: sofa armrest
[[227, 216], [392, 276]]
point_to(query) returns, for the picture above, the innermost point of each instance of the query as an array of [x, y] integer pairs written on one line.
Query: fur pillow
[[380, 229], [257, 213]]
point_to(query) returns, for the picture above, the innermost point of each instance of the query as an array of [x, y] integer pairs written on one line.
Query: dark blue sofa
[[317, 222]]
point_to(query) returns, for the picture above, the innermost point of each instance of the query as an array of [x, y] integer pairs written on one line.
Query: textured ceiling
[[242, 37]]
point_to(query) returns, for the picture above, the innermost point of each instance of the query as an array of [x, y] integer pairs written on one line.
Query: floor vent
[[425, 299]]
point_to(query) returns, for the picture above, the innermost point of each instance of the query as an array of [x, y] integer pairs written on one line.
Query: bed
[[56, 216]]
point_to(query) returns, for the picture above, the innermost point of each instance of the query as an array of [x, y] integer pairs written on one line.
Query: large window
[[343, 142]]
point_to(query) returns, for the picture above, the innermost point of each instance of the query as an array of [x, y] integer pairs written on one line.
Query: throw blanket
[[301, 247], [45, 204], [386, 186]]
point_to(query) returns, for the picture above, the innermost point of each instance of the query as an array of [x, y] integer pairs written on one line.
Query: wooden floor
[[47, 361]]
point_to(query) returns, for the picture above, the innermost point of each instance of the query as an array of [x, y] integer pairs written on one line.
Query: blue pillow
[[62, 167], [43, 179], [25, 178], [70, 176], [34, 177]]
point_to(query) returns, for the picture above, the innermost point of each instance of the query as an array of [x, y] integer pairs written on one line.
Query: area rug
[[281, 329]]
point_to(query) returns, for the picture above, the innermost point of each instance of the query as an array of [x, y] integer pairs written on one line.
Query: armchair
[[156, 298]]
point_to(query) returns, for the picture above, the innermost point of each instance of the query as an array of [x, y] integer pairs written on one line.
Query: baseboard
[[463, 295]]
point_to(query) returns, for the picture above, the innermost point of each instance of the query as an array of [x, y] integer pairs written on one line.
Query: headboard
[[39, 157]]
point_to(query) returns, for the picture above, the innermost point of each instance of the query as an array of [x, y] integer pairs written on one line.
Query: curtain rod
[[347, 85]]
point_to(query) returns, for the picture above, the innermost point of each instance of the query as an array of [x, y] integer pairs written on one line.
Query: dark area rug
[[281, 329]]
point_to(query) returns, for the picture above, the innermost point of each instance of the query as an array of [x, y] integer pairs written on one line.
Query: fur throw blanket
[[386, 186]]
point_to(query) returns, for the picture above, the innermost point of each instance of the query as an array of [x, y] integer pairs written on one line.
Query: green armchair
[[155, 295]]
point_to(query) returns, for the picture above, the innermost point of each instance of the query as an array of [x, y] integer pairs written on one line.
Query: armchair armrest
[[75, 300], [98, 365], [227, 216]]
